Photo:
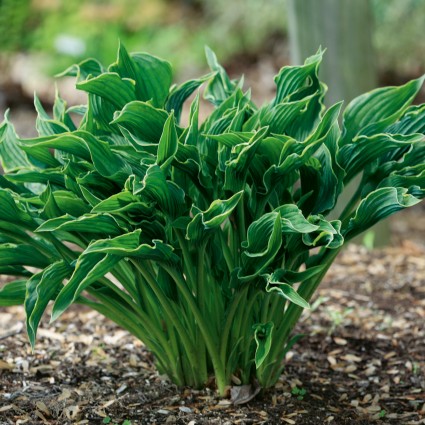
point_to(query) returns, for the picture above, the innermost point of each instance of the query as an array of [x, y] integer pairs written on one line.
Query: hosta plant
[[206, 240]]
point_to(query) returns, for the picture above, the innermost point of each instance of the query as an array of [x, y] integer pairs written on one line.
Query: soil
[[362, 360]]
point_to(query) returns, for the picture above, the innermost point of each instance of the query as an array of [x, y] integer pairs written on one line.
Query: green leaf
[[354, 157], [86, 68], [192, 134], [328, 233], [11, 156], [263, 339], [62, 114], [124, 202], [88, 223], [413, 121], [168, 144], [12, 211], [264, 239], [129, 245], [41, 288], [406, 177], [294, 154], [219, 87], [293, 220], [212, 218], [281, 282], [14, 271], [89, 148], [142, 120], [237, 167], [43, 176], [281, 118], [69, 203], [88, 269], [152, 76], [288, 292], [328, 186], [155, 187], [69, 143], [376, 206], [291, 277], [298, 81], [372, 112], [21, 255], [100, 257], [179, 94], [44, 124], [12, 293], [110, 87]]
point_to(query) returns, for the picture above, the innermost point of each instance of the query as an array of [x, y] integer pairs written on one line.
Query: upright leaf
[[152, 76], [263, 338], [40, 289], [11, 156], [264, 239]]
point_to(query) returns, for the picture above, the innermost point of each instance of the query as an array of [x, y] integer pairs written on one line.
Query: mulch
[[362, 360]]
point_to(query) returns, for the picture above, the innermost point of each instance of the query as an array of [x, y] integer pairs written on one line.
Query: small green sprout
[[299, 392]]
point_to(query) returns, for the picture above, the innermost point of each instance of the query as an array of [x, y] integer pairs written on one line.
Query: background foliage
[[178, 29]]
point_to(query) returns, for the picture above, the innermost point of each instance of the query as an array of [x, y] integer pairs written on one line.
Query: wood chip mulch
[[362, 360]]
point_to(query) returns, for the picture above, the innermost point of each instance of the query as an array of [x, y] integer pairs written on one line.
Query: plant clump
[[206, 241]]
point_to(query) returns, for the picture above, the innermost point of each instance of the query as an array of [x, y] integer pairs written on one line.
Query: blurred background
[[39, 38], [369, 43]]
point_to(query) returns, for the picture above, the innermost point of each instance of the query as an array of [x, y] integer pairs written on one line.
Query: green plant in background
[[64, 31], [392, 35], [108, 420], [13, 19], [179, 29], [246, 26], [70, 31], [215, 231]]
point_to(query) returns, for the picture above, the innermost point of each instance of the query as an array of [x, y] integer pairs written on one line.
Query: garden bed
[[362, 360]]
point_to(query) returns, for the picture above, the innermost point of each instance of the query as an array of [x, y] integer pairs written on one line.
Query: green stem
[[142, 329], [148, 301], [28, 240], [266, 309], [262, 204], [123, 276], [209, 339], [275, 303], [67, 253], [241, 220], [200, 287], [187, 257], [118, 292], [247, 334], [352, 203], [292, 314], [236, 302], [200, 295], [226, 251], [173, 317]]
